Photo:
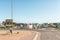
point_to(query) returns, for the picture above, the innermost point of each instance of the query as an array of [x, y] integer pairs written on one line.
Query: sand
[[17, 35]]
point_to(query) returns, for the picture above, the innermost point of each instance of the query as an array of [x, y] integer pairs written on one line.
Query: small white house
[[30, 26]]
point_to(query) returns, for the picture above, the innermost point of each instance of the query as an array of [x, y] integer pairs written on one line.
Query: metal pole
[[12, 9], [12, 12]]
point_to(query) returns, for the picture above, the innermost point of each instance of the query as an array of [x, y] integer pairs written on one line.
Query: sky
[[31, 11]]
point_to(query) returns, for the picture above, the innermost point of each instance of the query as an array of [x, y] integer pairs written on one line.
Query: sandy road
[[23, 35]]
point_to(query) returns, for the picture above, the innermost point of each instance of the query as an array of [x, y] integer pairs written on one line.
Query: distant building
[[39, 26], [56, 24], [8, 23], [45, 25], [25, 26], [19, 25], [30, 26], [35, 25], [9, 20]]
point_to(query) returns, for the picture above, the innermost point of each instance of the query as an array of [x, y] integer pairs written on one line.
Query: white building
[[30, 26]]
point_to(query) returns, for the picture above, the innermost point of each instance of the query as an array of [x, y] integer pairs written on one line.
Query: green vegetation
[[51, 25], [1, 27], [58, 27]]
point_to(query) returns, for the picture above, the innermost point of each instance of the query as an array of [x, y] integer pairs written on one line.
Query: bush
[[2, 27]]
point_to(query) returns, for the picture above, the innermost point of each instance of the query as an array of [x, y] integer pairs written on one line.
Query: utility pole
[[11, 16], [12, 12], [12, 9]]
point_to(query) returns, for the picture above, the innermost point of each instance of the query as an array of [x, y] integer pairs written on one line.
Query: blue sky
[[31, 11]]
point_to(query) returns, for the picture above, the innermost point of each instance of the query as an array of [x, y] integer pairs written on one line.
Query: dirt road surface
[[22, 35]]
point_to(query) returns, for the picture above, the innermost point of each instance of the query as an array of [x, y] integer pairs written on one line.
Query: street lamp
[[12, 9], [12, 12]]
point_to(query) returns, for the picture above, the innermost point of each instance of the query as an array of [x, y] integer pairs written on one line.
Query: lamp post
[[11, 17], [12, 12], [12, 9]]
